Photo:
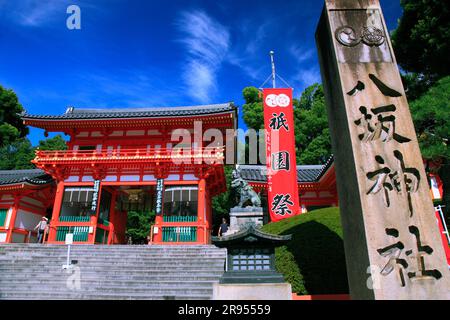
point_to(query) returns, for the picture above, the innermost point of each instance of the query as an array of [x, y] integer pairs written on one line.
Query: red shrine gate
[[117, 155]]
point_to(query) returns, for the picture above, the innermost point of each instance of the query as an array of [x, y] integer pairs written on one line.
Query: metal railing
[[444, 224], [80, 234], [179, 218], [179, 234], [74, 218]]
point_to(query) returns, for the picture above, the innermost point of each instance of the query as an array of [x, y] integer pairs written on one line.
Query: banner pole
[[273, 68]]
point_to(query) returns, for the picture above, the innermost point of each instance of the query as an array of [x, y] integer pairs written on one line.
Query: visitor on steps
[[223, 227], [41, 226]]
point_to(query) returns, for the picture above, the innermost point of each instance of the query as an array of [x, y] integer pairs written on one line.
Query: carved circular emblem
[[347, 36], [372, 36]]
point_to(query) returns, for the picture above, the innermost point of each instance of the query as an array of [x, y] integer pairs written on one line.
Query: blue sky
[[155, 53]]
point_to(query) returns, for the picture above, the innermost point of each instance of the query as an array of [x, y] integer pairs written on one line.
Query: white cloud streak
[[304, 76], [207, 43], [33, 13], [245, 53]]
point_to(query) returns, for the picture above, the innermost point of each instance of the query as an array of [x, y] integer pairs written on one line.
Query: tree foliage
[[138, 225], [17, 155], [11, 125], [422, 39], [312, 137], [253, 108], [55, 143], [16, 151], [222, 203], [431, 115]]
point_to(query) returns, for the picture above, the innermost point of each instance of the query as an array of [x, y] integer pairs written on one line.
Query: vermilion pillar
[[112, 216], [201, 209], [208, 216], [56, 210], [12, 220]]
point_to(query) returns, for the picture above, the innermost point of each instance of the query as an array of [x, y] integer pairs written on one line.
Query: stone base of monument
[[250, 272], [240, 217], [252, 291]]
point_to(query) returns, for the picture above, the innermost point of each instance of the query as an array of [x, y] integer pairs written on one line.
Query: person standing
[[40, 227], [223, 227]]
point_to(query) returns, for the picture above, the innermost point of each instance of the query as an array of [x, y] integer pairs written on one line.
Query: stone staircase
[[33, 271]]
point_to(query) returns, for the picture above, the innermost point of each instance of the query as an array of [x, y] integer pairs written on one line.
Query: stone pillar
[[391, 236]]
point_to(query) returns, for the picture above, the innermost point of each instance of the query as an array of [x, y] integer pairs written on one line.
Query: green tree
[[55, 143], [431, 116], [253, 108], [312, 135], [17, 155], [139, 224], [11, 125], [222, 203], [422, 39]]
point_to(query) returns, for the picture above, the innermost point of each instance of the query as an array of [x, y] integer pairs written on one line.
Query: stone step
[[54, 289], [110, 272], [122, 284], [17, 295], [144, 274], [95, 278], [104, 269]]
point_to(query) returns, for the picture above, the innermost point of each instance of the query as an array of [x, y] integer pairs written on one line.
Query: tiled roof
[[305, 173], [31, 176], [250, 231], [81, 113]]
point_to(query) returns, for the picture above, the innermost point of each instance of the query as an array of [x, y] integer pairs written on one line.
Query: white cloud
[[301, 54], [38, 13], [207, 43], [246, 52], [33, 13], [306, 76], [122, 88]]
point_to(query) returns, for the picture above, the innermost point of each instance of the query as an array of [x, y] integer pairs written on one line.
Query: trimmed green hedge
[[313, 261]]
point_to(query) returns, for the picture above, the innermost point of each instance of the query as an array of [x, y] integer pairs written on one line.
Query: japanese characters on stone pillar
[[392, 243]]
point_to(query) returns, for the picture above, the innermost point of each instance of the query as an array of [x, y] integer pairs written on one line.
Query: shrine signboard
[[159, 197], [392, 242]]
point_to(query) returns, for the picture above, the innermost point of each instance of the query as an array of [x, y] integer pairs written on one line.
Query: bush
[[313, 261]]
